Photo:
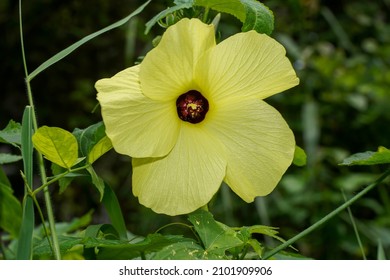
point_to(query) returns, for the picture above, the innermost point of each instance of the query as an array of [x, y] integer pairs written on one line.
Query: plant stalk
[[327, 217], [49, 207]]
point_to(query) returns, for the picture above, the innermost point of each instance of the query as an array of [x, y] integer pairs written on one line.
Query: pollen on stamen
[[192, 106]]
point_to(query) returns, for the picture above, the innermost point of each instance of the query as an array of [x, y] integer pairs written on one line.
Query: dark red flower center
[[192, 106]]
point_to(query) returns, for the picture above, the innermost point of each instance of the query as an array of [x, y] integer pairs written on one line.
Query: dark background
[[341, 52]]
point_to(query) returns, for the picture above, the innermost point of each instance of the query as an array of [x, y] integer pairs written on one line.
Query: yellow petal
[[245, 64], [167, 70], [259, 142], [186, 179], [136, 125]]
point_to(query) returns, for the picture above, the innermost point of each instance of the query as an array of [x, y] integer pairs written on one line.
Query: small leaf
[[9, 158], [11, 134], [382, 156], [57, 145], [232, 7], [10, 211], [96, 181], [101, 147], [188, 250], [253, 14], [93, 141], [258, 17], [299, 156], [216, 237]]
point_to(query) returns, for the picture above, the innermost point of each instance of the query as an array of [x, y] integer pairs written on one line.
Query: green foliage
[[10, 211], [382, 156], [93, 141], [57, 145], [253, 14]]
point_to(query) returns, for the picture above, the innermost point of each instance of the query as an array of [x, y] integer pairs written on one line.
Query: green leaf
[[258, 17], [188, 250], [62, 54], [9, 158], [216, 237], [25, 242], [232, 7], [93, 141], [299, 157], [11, 134], [10, 211], [96, 181], [382, 156], [101, 147], [57, 145], [111, 203], [24, 251], [43, 249], [253, 14], [125, 250]]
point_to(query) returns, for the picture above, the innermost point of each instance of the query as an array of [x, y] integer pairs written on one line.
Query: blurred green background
[[341, 52]]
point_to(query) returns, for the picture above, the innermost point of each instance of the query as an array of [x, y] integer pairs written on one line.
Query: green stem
[[206, 14], [327, 217], [55, 179], [49, 207], [355, 229]]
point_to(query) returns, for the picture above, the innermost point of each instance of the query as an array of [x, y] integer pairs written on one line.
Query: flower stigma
[[192, 106]]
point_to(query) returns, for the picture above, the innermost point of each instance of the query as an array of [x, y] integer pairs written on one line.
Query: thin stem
[[49, 207], [355, 229], [206, 14], [327, 217], [56, 178]]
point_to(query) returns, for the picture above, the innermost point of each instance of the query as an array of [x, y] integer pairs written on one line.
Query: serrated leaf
[[11, 134], [299, 157], [382, 156], [253, 14], [266, 230], [9, 158], [93, 141], [57, 145], [216, 237], [257, 17], [188, 250], [232, 7], [10, 211], [96, 181]]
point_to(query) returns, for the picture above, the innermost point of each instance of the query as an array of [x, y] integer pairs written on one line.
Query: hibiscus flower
[[192, 115]]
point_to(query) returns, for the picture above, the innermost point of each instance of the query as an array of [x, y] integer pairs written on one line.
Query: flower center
[[192, 106]]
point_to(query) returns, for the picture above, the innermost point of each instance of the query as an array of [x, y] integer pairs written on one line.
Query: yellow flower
[[191, 115]]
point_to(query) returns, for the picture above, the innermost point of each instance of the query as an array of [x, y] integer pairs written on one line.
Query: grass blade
[[24, 251], [57, 57], [111, 203]]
